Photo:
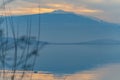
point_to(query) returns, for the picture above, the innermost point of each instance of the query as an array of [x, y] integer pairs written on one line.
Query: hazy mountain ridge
[[68, 27], [83, 28]]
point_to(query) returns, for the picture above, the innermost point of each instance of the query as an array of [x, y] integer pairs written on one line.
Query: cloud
[[19, 7], [22, 7], [102, 9], [21, 11], [70, 7], [5, 2]]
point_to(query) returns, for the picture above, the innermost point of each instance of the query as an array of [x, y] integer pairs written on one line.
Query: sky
[[104, 9], [19, 7]]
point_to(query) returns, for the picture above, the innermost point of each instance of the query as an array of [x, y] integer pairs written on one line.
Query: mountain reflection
[[108, 72]]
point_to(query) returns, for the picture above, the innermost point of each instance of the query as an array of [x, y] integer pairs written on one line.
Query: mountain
[[67, 28], [60, 12], [102, 42]]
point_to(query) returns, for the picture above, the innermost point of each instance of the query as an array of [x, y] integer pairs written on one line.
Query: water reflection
[[71, 59], [107, 72]]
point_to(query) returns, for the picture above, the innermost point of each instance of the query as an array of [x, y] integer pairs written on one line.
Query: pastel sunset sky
[[104, 9]]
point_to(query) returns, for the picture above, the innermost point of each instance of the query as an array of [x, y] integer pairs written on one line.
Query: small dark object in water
[[35, 72]]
